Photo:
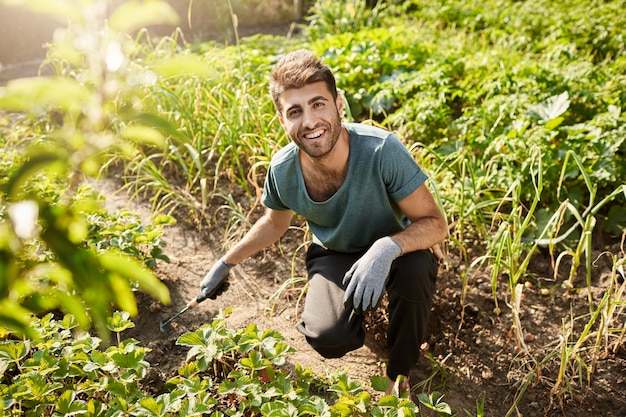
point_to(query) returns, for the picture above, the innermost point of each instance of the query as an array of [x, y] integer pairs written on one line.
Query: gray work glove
[[215, 281], [367, 278]]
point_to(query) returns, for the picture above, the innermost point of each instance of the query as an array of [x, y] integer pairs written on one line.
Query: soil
[[471, 352]]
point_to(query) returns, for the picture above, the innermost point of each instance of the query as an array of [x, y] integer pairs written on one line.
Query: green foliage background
[[514, 109]]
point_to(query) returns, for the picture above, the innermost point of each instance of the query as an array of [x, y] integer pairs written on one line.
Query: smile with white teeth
[[314, 135]]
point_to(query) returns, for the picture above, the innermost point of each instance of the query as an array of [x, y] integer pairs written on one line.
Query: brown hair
[[297, 69]]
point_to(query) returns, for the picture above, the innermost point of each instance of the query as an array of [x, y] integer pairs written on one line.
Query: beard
[[318, 149]]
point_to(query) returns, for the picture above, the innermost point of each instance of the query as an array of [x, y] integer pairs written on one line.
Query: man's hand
[[367, 278], [215, 281]]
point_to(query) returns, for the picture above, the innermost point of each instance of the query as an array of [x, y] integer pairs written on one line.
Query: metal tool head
[[163, 324]]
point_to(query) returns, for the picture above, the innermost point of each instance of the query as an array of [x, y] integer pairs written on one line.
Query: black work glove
[[215, 282]]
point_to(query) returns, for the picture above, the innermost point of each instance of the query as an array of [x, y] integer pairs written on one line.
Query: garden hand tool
[[206, 291], [200, 298]]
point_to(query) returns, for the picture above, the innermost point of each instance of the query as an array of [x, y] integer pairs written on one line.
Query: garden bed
[[472, 358]]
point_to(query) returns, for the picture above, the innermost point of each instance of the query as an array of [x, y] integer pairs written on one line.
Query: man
[[371, 215]]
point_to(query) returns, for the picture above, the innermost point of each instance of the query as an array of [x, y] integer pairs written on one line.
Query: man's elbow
[[442, 228], [277, 222]]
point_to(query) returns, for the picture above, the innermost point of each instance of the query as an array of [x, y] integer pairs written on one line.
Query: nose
[[308, 119]]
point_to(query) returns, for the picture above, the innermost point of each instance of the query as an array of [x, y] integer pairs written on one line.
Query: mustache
[[324, 126]]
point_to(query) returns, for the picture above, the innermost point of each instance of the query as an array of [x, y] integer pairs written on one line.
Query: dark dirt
[[473, 351]]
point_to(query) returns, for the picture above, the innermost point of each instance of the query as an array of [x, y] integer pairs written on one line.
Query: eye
[[293, 113]]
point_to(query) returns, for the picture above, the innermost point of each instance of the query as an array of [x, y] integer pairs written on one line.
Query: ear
[[281, 119], [339, 104]]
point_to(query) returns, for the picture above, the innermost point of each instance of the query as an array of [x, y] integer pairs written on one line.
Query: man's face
[[311, 118]]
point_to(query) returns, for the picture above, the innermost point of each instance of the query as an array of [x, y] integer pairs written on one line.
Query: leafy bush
[[66, 124], [471, 96], [122, 231], [227, 372], [331, 18]]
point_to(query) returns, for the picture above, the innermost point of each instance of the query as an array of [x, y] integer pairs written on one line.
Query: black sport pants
[[334, 331]]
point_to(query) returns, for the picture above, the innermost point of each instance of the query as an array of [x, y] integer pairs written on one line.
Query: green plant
[[68, 372], [587, 222], [227, 131], [439, 377], [328, 17], [71, 115], [123, 231]]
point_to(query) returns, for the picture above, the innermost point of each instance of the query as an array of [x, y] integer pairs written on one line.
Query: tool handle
[[204, 295], [200, 298]]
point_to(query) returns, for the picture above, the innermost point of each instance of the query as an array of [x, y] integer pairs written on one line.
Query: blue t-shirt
[[381, 172]]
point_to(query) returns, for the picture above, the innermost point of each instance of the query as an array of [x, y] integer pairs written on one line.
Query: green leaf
[[551, 109], [164, 220], [69, 322], [184, 65], [191, 339], [389, 401], [135, 15], [615, 222], [255, 361], [344, 385], [380, 383], [74, 305], [13, 352], [120, 321], [39, 387], [133, 270], [68, 405], [152, 406], [279, 408], [13, 316], [188, 370], [143, 134], [435, 402], [554, 123], [124, 295], [154, 121], [131, 357], [37, 93], [35, 163]]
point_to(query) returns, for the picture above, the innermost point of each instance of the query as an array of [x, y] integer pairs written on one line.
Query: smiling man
[[371, 215]]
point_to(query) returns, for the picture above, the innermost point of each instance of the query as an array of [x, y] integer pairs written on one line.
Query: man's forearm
[[263, 234], [422, 234]]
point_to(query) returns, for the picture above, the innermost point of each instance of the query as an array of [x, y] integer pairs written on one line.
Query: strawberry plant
[[68, 122], [123, 231], [68, 371], [228, 371]]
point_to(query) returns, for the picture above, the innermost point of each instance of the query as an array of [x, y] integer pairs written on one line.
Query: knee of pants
[[333, 342], [413, 276]]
